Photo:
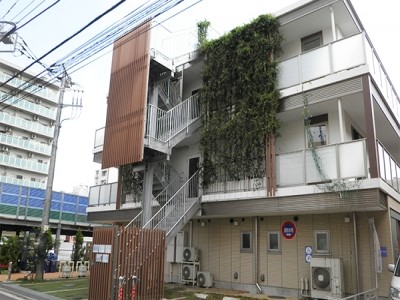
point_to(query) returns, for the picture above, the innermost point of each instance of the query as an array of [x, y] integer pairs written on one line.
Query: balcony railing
[[23, 182], [389, 169], [29, 145], [164, 125], [338, 162], [29, 87], [335, 57], [25, 124], [28, 106], [24, 164], [105, 194]]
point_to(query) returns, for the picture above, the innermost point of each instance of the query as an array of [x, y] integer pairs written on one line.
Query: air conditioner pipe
[[256, 254]]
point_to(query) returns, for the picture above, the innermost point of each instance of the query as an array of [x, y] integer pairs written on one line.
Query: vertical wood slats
[[124, 131], [140, 252], [100, 281]]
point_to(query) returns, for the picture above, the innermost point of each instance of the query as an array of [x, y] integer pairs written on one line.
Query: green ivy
[[239, 99]]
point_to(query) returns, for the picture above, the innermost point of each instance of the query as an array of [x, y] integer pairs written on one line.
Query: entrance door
[[194, 164]]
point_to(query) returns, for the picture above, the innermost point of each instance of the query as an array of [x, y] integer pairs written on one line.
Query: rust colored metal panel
[[100, 282], [270, 168], [125, 123]]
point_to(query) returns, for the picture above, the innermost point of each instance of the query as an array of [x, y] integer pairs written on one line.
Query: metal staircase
[[165, 129], [176, 211]]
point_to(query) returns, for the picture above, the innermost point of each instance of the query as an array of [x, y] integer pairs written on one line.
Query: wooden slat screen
[[141, 253], [100, 281], [125, 123]]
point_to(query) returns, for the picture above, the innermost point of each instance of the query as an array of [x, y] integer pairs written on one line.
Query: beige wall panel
[[290, 259], [382, 224], [214, 246], [365, 252], [274, 260], [235, 250], [304, 238], [247, 259], [204, 245], [225, 261], [262, 249]]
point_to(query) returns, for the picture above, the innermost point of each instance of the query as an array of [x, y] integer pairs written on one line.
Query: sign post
[[288, 230]]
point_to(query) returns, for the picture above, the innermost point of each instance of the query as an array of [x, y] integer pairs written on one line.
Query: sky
[[74, 164]]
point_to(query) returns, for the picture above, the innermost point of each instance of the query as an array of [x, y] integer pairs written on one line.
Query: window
[[245, 242], [322, 243], [33, 179], [274, 242], [311, 42], [318, 127], [355, 135], [19, 177]]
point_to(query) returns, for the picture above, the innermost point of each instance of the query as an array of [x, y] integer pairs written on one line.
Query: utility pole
[[52, 163]]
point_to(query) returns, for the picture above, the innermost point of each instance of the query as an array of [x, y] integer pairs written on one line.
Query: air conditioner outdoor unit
[[35, 117], [8, 129], [4, 148], [189, 272], [326, 278], [33, 135], [204, 279], [30, 154], [190, 254]]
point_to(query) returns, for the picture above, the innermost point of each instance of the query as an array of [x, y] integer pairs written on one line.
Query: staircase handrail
[[135, 219], [174, 183], [171, 122], [156, 216]]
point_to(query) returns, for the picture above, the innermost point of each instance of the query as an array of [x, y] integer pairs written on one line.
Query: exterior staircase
[[176, 211], [165, 129]]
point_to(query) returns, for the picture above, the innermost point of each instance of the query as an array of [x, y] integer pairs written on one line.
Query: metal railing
[[177, 206], [389, 168], [164, 125], [24, 164], [172, 91], [367, 295], [30, 145], [34, 127]]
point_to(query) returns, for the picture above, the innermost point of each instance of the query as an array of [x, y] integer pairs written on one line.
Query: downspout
[[256, 255], [334, 38], [356, 252]]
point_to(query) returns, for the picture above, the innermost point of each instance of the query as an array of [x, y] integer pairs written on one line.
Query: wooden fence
[[119, 255]]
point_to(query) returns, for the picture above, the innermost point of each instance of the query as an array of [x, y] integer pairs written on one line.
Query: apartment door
[[194, 164]]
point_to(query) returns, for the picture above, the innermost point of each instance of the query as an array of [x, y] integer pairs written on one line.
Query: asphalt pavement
[[12, 291]]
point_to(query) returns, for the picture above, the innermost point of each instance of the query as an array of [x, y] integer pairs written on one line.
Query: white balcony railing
[[298, 168], [29, 87], [24, 164], [29, 145], [105, 194], [164, 125], [335, 57], [389, 168], [34, 127]]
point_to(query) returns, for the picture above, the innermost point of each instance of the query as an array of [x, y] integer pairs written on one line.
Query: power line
[[30, 11], [56, 72], [39, 14], [66, 40], [23, 10]]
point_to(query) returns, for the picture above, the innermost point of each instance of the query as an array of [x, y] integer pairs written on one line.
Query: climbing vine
[[239, 99], [132, 181], [344, 189]]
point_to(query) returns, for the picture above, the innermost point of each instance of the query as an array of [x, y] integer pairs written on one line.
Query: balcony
[[29, 87], [23, 164], [333, 59], [31, 126], [29, 106], [23, 182], [28, 145]]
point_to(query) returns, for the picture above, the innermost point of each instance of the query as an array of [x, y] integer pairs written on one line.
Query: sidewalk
[[16, 276]]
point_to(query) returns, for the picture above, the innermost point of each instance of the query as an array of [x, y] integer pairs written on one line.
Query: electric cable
[[54, 72], [23, 10], [65, 41], [39, 14], [10, 9], [30, 11]]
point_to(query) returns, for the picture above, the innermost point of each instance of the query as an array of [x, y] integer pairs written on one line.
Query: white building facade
[[331, 225], [27, 117]]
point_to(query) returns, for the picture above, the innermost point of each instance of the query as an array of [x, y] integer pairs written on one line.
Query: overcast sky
[[74, 158]]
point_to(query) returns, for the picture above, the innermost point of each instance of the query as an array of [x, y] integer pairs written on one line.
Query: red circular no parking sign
[[288, 230]]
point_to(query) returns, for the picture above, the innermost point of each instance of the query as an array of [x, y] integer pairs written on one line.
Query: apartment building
[[321, 220], [27, 116]]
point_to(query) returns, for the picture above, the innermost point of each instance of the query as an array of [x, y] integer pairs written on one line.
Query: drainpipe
[[356, 252], [256, 254], [333, 24]]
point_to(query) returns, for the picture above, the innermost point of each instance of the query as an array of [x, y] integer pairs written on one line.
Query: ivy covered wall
[[240, 99]]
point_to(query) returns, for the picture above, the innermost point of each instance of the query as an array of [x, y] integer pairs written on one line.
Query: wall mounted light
[[202, 224]]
